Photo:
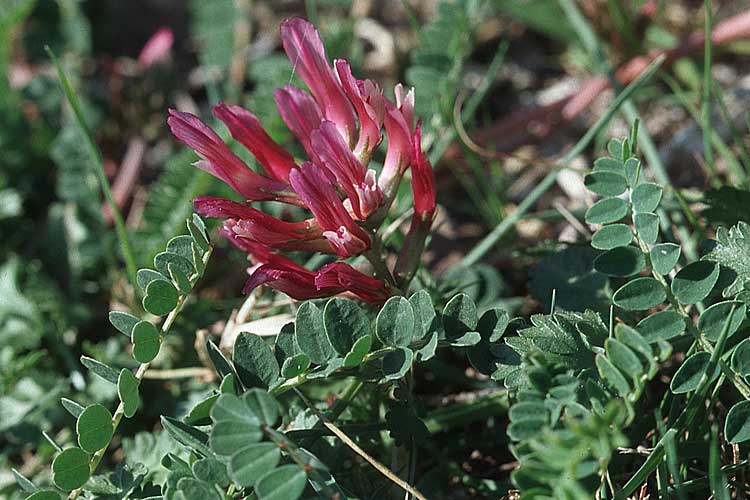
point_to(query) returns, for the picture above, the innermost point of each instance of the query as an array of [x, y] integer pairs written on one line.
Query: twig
[[359, 451], [192, 372]]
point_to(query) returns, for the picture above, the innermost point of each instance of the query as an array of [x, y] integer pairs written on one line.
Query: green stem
[[122, 234]]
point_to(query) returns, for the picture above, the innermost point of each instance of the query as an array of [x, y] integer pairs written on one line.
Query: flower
[[340, 123], [156, 49]]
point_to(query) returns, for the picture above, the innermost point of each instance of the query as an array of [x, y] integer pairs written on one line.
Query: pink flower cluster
[[339, 126]]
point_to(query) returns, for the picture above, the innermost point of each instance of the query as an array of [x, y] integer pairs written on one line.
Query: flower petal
[[369, 102], [339, 274]]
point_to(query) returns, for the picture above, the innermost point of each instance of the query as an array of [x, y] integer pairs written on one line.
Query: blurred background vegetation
[[493, 81]]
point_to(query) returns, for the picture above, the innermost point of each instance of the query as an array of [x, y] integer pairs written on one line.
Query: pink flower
[[247, 130], [156, 49], [369, 102], [314, 188], [339, 274], [300, 112], [220, 162], [258, 227], [358, 183], [282, 274], [399, 152], [422, 180], [305, 49]]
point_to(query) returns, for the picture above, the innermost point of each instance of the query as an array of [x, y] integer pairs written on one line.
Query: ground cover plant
[[369, 249]]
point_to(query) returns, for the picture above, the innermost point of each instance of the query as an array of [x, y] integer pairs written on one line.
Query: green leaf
[[197, 230], [94, 428], [310, 334], [733, 251], [200, 414], [605, 183], [635, 341], [624, 359], [360, 348], [712, 321], [123, 321], [737, 425], [632, 170], [295, 365], [187, 435], [70, 469], [424, 314], [285, 483], [614, 147], [286, 346], [127, 391], [621, 262], [468, 339], [394, 325], [607, 211], [26, 485], [234, 422], [396, 363], [695, 281], [639, 294], [344, 322], [646, 197], [664, 257], [211, 471], [688, 376], [146, 342], [221, 363], [605, 164], [181, 263], [179, 278], [663, 325], [146, 276], [612, 236], [191, 488], [251, 463], [255, 363], [44, 495], [741, 358], [492, 324], [612, 375], [647, 227], [459, 316], [100, 369], [181, 245], [161, 297], [428, 350], [72, 407]]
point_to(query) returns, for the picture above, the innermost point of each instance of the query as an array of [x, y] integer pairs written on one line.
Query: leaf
[[695, 281], [360, 348], [492, 324], [424, 314], [200, 414], [44, 495], [285, 483], [632, 170], [146, 342], [234, 422], [468, 339], [646, 197], [605, 183], [605, 164], [251, 463], [161, 297], [344, 322], [428, 350], [123, 322], [688, 376], [179, 278], [639, 294], [255, 363], [72, 407], [647, 227], [192, 488], [459, 316], [664, 257], [397, 362], [101, 370], [737, 424], [182, 263], [663, 325], [612, 375], [732, 250], [70, 469], [404, 426], [726, 205], [621, 262], [94, 428], [26, 485], [310, 334], [127, 391], [295, 365], [741, 358], [624, 359], [286, 345], [187, 435], [146, 276], [394, 325], [211, 471], [607, 211], [713, 320], [612, 236]]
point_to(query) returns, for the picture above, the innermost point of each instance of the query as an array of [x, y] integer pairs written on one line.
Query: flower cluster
[[339, 124]]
